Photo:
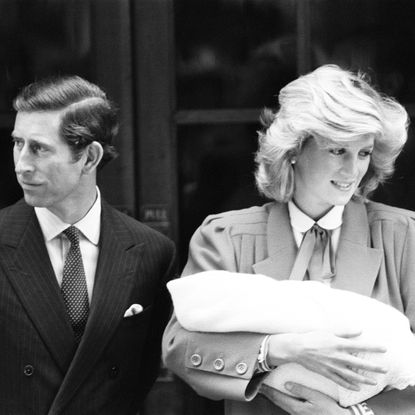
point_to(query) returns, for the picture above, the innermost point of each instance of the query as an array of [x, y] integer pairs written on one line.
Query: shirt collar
[[89, 225], [302, 223]]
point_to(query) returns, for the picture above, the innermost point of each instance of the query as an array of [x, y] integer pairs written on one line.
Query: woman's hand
[[307, 401], [332, 356]]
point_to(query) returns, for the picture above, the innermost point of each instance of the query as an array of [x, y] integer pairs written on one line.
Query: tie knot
[[72, 233], [318, 230]]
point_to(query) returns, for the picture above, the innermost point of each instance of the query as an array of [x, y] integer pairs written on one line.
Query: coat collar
[[357, 264]]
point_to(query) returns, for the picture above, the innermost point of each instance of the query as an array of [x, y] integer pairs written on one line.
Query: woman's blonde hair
[[331, 105]]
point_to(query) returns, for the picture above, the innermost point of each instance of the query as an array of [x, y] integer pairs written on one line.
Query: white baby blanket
[[222, 301]]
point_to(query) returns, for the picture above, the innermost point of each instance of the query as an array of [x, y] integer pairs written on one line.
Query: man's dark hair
[[87, 113]]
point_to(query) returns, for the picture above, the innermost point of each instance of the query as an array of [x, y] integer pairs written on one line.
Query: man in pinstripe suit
[[63, 132]]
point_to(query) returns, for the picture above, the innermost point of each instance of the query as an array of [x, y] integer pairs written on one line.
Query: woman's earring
[[293, 161]]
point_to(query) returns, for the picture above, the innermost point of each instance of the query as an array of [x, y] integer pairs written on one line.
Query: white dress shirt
[[58, 244], [301, 223]]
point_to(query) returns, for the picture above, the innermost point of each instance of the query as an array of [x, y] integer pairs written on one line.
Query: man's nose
[[22, 161]]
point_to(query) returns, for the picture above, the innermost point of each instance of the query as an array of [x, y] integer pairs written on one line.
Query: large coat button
[[241, 368], [196, 359], [28, 370], [219, 364]]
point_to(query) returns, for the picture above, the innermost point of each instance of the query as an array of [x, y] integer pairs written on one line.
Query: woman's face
[[329, 176]]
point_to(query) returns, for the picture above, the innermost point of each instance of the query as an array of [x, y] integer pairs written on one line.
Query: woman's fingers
[[335, 357], [355, 378], [341, 381], [358, 346], [356, 363], [345, 375]]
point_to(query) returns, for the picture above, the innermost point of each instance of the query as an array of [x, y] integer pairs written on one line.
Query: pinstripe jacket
[[375, 257], [114, 366]]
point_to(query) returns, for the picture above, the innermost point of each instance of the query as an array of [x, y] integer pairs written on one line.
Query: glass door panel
[[376, 36], [233, 53], [216, 173]]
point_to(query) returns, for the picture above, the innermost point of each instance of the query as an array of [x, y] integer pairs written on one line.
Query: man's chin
[[33, 200]]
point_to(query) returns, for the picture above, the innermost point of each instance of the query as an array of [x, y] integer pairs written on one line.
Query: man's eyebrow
[[33, 140], [16, 136]]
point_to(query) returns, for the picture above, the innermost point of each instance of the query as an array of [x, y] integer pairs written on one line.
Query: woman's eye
[[337, 151], [366, 153]]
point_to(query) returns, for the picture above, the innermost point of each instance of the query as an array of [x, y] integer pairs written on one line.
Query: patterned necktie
[[315, 257], [74, 290]]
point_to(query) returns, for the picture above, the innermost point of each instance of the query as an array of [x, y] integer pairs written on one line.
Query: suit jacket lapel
[[117, 265], [281, 245], [357, 264], [26, 263]]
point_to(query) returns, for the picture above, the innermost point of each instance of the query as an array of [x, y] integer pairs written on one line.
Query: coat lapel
[[357, 264], [117, 265], [26, 263], [281, 245]]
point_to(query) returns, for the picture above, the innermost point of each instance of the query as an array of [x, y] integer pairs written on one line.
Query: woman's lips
[[342, 185]]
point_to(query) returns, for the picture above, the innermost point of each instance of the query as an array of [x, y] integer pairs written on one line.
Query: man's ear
[[94, 153]]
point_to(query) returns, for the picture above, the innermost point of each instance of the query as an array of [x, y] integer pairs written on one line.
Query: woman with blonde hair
[[333, 140]]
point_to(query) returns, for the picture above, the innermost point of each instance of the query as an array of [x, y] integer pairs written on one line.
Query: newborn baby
[[256, 303]]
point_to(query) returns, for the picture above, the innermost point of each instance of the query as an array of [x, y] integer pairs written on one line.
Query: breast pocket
[[138, 319], [130, 336]]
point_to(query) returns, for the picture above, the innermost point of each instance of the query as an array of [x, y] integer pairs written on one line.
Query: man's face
[[44, 163]]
